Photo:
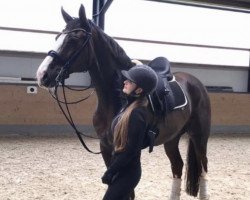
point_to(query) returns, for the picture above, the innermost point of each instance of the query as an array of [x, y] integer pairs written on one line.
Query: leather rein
[[60, 80]]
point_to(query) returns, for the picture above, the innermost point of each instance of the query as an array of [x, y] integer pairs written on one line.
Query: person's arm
[[136, 131]]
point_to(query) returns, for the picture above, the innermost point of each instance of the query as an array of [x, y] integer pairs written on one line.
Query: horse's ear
[[66, 16], [82, 17]]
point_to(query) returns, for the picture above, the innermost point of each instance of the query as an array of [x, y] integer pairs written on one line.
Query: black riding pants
[[124, 184]]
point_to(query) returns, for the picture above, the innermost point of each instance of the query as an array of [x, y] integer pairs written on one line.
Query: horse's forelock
[[74, 24]]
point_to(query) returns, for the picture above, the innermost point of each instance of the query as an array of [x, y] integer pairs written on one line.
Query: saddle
[[168, 95]]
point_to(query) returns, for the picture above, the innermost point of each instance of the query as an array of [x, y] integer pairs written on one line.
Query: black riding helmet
[[143, 76]]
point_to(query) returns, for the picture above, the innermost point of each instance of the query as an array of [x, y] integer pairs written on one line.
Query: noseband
[[64, 72]]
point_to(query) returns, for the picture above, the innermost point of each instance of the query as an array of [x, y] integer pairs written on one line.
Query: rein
[[63, 74], [73, 89], [68, 116]]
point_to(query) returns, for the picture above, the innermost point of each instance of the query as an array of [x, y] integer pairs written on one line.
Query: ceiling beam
[[229, 5]]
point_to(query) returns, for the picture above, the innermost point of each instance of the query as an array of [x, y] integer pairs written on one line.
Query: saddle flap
[[167, 102]]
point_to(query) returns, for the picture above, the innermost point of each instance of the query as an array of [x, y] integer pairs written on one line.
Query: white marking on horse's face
[[42, 69]]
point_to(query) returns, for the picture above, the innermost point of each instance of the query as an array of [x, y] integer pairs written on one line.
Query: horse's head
[[71, 52]]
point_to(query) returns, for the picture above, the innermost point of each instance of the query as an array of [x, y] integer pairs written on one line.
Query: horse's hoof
[[204, 198], [175, 198]]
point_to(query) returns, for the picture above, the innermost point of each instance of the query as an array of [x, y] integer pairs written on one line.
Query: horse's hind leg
[[197, 156], [173, 153], [203, 193], [200, 145], [199, 179]]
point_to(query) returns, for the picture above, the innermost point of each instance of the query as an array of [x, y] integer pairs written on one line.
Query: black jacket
[[130, 156]]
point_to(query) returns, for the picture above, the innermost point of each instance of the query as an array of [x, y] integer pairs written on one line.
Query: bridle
[[64, 72], [60, 80]]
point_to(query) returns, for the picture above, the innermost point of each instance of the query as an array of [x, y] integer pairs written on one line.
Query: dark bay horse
[[82, 46]]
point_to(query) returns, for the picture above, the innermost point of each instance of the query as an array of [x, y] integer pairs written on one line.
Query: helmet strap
[[134, 94]]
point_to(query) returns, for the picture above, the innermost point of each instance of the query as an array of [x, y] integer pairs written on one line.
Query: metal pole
[[102, 14], [248, 88], [95, 11], [99, 9]]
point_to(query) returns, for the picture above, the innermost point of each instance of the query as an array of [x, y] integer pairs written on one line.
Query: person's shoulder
[[138, 119], [140, 109], [139, 112]]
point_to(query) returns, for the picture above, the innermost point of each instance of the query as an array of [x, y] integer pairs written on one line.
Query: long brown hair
[[121, 128]]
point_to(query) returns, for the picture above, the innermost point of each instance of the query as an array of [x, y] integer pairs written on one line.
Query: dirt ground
[[58, 168]]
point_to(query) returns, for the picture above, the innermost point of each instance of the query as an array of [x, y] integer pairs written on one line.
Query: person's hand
[[107, 178]]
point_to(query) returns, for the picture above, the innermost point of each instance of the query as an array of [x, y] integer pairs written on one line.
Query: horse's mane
[[117, 51]]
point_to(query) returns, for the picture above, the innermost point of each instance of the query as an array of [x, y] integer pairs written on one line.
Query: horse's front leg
[[106, 150]]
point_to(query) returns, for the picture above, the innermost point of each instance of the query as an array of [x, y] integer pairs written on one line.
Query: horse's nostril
[[45, 79], [45, 75]]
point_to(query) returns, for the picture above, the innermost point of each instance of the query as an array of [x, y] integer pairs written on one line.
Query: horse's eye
[[75, 37], [79, 34]]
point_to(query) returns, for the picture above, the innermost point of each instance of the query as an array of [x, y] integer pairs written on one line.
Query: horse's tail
[[193, 171], [198, 131]]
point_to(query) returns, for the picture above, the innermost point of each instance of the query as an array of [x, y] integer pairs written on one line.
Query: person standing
[[129, 128]]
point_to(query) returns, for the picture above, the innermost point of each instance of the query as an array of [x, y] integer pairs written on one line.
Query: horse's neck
[[105, 106], [102, 85], [108, 52], [109, 58]]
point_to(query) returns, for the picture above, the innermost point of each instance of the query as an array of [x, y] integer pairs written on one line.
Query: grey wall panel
[[16, 66], [25, 66], [237, 78]]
